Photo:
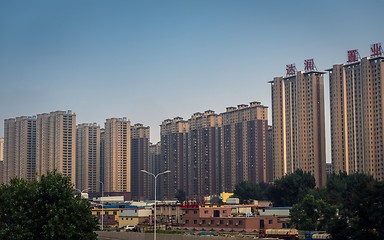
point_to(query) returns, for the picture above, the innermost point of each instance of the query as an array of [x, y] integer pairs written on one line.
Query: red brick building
[[238, 218]]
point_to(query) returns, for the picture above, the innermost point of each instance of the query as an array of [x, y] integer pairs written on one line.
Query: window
[[194, 221]]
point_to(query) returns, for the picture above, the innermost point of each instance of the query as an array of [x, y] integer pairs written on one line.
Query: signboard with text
[[376, 50]]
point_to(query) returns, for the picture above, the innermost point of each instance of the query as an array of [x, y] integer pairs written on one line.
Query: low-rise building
[[110, 213], [229, 218], [275, 211], [134, 216], [170, 214]]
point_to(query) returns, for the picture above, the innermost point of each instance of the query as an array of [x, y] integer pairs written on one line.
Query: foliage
[[351, 207], [291, 188], [251, 191], [45, 209], [180, 195], [312, 213], [360, 200]]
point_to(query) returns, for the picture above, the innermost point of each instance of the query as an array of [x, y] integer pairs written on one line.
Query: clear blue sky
[[153, 60]]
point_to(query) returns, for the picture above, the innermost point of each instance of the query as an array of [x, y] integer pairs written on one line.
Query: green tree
[[17, 213], [180, 195], [251, 191], [291, 188], [312, 213], [45, 209], [360, 200]]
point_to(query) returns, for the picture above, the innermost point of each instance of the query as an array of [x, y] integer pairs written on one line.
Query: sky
[[153, 60]]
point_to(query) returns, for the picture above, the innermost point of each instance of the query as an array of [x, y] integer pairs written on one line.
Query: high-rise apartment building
[[204, 151], [210, 153], [356, 100], [174, 157], [56, 143], [35, 145], [153, 167], [117, 155], [140, 136], [244, 145], [1, 149], [88, 157], [20, 148], [298, 123], [269, 164], [1, 160]]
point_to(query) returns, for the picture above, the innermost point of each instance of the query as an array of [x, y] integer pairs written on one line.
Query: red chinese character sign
[[309, 65], [376, 50], [353, 56], [291, 69]]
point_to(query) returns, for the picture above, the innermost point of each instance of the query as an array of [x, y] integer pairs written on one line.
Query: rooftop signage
[[353, 56], [376, 50], [309, 65], [291, 69]]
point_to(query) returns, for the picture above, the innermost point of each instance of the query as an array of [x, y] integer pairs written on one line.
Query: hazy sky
[[153, 60]]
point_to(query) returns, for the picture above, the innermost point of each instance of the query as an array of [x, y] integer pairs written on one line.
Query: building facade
[[228, 218], [244, 145], [117, 155], [174, 157], [1, 149], [20, 148], [210, 153], [1, 160], [40, 144], [356, 100], [88, 157], [299, 124], [204, 151], [140, 136], [153, 167], [56, 143]]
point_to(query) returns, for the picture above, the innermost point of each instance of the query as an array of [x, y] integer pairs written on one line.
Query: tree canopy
[[283, 192], [351, 207], [291, 188], [45, 209]]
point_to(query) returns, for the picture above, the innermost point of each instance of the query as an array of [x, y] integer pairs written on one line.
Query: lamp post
[[102, 206], [155, 176], [82, 191]]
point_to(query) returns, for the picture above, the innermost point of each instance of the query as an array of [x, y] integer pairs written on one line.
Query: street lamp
[[82, 191], [102, 206], [155, 176]]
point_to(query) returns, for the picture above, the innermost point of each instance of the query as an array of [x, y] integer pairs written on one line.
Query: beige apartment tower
[[299, 125], [56, 143], [88, 157], [117, 155], [20, 148], [36, 145], [1, 160], [356, 99], [1, 149]]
